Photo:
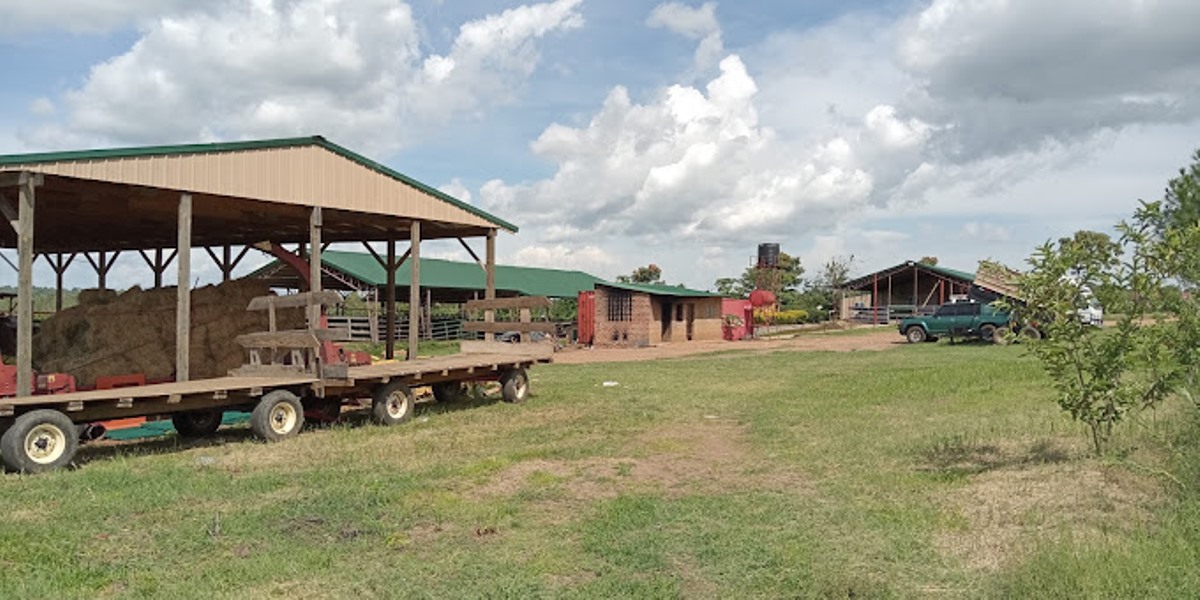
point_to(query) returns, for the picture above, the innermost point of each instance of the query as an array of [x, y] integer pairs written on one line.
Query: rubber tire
[[514, 386], [987, 333], [383, 412], [261, 422], [1030, 332], [449, 391], [915, 334], [12, 443], [197, 423]]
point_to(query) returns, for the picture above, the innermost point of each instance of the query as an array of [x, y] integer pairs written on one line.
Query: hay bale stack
[[97, 296], [134, 332]]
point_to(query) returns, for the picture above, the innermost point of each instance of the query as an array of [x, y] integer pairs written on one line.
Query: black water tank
[[768, 255]]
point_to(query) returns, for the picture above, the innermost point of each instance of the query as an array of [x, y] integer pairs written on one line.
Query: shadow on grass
[[959, 455], [165, 444], [351, 418]]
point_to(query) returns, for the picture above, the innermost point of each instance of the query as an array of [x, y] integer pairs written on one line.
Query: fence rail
[[367, 329]]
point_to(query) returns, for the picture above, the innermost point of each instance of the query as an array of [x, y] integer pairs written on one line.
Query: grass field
[[928, 470]]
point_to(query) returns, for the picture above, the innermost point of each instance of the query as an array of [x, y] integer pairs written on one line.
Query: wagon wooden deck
[[165, 398], [290, 375], [158, 398], [456, 367]]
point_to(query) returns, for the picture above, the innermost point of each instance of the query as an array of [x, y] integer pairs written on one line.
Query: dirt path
[[881, 338]]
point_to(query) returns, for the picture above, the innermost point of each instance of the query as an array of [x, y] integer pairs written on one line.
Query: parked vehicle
[[994, 281], [1090, 312], [957, 319]]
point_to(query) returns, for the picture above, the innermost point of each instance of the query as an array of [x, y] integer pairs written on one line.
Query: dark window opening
[[620, 306]]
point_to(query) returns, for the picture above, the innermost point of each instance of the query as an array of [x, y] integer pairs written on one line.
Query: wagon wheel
[[277, 416], [514, 385], [392, 403], [197, 423], [449, 391], [38, 441]]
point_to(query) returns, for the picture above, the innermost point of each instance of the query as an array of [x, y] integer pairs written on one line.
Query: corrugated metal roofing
[[448, 274], [943, 271], [965, 276], [90, 163], [660, 290]]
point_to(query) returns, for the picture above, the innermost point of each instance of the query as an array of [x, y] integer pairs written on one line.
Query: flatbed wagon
[[40, 433]]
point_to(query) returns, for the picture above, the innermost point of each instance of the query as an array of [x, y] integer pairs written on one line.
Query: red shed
[[742, 309]]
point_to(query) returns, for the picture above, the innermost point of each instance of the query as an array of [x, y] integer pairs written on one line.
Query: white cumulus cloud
[[697, 23], [93, 16], [262, 68], [588, 258]]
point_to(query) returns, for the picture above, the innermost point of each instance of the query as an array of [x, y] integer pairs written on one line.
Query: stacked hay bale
[[134, 332]]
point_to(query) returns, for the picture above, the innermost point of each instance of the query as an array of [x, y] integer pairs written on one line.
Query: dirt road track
[[880, 338]]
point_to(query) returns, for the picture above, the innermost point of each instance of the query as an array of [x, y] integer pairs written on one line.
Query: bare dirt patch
[[675, 460], [1007, 511], [877, 338]]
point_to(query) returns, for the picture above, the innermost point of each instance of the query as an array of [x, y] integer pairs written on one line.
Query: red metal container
[[586, 317]]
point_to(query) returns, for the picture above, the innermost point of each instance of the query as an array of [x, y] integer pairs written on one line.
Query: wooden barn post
[[183, 293], [315, 223], [389, 350], [26, 182], [489, 292], [414, 291]]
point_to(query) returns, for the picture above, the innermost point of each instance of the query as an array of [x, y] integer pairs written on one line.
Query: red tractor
[[50, 383]]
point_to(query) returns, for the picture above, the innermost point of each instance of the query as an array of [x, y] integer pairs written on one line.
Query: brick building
[[643, 314]]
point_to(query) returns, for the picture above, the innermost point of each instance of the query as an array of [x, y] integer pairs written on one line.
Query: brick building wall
[[645, 324], [633, 332]]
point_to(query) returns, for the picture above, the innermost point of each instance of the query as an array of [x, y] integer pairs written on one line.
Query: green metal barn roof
[[866, 280], [448, 274], [660, 289], [955, 273]]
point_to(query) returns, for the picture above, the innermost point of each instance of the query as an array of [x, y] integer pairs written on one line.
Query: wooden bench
[[309, 351], [525, 327]]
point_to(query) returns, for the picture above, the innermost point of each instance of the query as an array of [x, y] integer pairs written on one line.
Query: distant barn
[[903, 290]]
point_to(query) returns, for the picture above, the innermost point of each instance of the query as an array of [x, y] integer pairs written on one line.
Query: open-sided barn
[[905, 289]]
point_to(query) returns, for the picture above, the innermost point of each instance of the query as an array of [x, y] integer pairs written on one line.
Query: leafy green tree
[[1100, 377], [836, 272], [729, 287], [647, 274], [825, 291], [1181, 209], [785, 281], [1182, 204], [564, 309], [929, 260]]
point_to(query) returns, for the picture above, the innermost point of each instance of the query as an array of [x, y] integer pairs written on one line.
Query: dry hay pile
[[134, 332]]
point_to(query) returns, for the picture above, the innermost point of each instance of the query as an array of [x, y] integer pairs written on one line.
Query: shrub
[[763, 316]]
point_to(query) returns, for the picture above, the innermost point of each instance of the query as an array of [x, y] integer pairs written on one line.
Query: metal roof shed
[[302, 190], [909, 287], [447, 280]]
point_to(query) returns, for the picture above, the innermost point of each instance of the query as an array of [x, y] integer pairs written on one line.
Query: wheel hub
[[397, 404], [283, 419], [45, 444]]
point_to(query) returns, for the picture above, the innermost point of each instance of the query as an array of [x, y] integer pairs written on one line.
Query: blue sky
[[619, 133]]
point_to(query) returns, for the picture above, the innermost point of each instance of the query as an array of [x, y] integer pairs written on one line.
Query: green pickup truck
[[958, 319]]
